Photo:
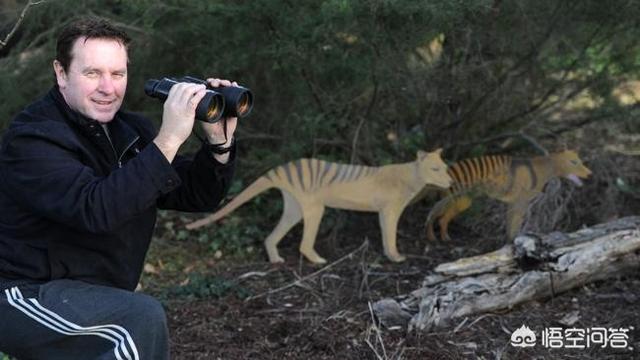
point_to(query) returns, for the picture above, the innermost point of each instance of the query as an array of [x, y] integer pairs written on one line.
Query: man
[[80, 181]]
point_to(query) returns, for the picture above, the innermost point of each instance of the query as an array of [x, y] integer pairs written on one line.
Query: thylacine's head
[[432, 169], [568, 164]]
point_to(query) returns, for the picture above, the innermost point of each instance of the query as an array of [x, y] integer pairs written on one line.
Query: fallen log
[[532, 268]]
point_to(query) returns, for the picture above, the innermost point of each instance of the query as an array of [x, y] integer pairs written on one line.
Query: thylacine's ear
[[421, 154], [438, 152]]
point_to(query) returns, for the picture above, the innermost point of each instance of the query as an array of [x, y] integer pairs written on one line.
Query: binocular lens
[[211, 107], [238, 100], [244, 104], [213, 111]]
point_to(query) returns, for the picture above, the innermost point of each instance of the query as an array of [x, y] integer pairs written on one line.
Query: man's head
[[91, 67]]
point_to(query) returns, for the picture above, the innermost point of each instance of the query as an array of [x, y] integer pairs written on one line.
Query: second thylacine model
[[515, 181]]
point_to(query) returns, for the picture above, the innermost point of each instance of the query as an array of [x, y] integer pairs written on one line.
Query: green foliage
[[326, 72], [627, 189], [239, 233], [202, 286], [235, 235], [363, 81]]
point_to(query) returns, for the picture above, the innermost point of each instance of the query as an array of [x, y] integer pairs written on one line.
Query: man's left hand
[[215, 132]]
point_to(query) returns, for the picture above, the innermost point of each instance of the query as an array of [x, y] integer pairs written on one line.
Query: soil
[[242, 307]]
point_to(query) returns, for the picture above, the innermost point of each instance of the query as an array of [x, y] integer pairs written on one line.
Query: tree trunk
[[532, 268]]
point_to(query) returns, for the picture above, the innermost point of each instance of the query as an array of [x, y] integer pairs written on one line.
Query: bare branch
[[300, 281], [4, 42]]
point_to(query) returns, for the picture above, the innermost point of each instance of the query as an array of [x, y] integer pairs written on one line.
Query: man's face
[[96, 79]]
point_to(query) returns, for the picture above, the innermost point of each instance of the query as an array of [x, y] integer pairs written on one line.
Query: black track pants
[[67, 319]]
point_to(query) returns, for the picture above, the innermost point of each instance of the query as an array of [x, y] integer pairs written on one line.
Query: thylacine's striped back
[[306, 175], [311, 174], [491, 172]]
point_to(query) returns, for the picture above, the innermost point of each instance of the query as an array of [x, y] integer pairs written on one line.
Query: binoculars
[[227, 101]]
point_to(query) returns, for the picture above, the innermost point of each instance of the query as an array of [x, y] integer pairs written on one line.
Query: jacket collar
[[121, 134]]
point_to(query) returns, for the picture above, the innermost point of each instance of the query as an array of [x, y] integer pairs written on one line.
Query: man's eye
[[91, 74], [118, 75]]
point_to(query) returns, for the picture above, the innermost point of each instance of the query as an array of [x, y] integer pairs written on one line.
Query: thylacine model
[[309, 185], [510, 180]]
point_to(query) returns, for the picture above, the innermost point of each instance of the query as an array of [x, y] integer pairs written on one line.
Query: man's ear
[[61, 75]]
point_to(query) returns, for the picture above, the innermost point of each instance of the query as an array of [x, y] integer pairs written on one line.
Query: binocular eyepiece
[[225, 101]]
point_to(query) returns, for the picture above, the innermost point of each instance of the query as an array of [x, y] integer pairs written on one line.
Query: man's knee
[[150, 331], [149, 311]]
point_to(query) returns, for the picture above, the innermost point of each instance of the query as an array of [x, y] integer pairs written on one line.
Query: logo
[[573, 338], [523, 337]]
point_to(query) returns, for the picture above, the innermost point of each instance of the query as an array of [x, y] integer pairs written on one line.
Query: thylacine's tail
[[261, 184]]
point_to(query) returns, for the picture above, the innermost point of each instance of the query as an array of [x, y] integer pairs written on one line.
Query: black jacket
[[75, 205]]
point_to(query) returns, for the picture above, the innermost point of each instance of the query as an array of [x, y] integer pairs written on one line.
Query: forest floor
[[242, 307]]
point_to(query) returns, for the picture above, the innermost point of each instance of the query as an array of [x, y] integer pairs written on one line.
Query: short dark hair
[[90, 28]]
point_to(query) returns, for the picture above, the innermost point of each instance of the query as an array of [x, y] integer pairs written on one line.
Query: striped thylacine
[[510, 180], [310, 185]]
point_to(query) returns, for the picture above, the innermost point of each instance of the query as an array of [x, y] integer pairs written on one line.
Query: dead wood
[[532, 268]]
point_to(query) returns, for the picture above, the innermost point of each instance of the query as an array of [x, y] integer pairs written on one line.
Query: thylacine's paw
[[319, 261], [276, 259], [313, 257], [396, 257], [431, 236]]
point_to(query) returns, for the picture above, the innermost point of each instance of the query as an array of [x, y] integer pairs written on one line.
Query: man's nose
[[106, 84]]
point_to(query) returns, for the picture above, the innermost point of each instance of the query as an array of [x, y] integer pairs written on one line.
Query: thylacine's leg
[[389, 217], [312, 215], [431, 236], [291, 215], [436, 212], [515, 217], [454, 208]]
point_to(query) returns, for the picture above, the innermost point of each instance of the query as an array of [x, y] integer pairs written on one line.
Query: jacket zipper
[[125, 150]]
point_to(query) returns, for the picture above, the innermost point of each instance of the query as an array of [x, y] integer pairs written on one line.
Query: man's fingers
[[214, 82], [196, 97], [186, 95], [188, 91]]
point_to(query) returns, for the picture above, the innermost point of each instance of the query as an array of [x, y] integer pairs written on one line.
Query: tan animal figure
[[510, 180], [309, 185]]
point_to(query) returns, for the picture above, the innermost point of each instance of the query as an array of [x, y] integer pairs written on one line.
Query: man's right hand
[[178, 117]]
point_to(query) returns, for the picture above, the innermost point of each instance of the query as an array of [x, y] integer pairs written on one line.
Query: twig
[[354, 142], [4, 42], [365, 279], [253, 274], [378, 336], [298, 282], [460, 325]]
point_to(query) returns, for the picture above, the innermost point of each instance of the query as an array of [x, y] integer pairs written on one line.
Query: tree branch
[[4, 42]]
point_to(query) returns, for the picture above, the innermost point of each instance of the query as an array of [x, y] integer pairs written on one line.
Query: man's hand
[[215, 132], [178, 117]]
